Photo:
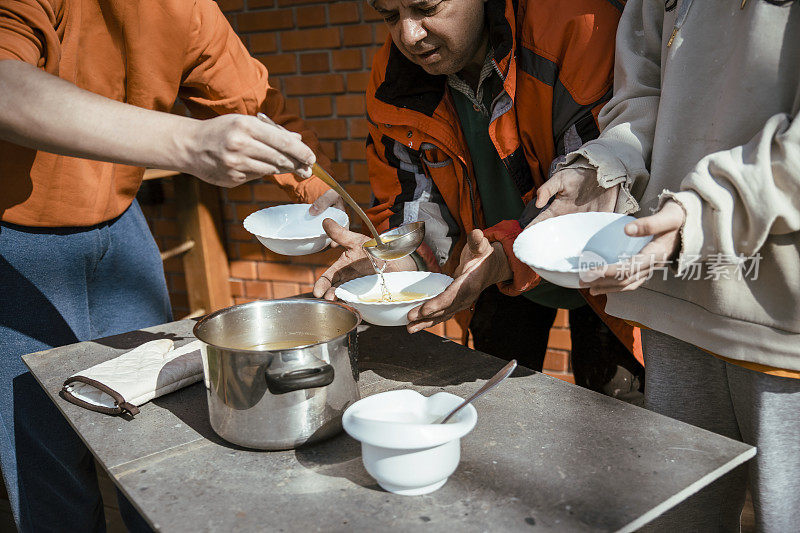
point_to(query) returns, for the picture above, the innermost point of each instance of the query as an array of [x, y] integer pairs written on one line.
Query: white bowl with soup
[[407, 290]]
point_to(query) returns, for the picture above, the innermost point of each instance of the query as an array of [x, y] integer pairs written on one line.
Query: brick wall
[[319, 54]]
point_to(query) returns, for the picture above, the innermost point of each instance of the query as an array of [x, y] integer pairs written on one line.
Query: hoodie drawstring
[[683, 12]]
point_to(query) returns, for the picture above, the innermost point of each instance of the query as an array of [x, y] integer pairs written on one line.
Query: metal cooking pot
[[263, 394]]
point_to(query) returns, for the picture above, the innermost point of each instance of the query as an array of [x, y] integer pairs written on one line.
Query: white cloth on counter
[[122, 384]]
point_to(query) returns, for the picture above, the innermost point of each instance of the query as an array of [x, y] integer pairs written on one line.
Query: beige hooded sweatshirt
[[711, 122]]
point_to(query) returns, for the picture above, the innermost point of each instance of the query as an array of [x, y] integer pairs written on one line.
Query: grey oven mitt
[[122, 384]]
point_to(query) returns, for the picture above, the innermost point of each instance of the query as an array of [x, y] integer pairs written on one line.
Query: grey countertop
[[545, 455]]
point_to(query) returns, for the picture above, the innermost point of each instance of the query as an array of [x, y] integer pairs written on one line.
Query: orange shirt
[[146, 53], [765, 369]]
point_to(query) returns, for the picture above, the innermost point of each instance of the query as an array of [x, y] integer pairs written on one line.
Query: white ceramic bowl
[[400, 447], [355, 291], [290, 230], [562, 249]]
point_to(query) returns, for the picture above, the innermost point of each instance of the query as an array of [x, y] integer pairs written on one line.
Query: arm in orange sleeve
[[524, 279], [28, 34], [220, 76]]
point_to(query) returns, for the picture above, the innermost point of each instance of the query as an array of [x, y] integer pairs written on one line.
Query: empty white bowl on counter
[[356, 291], [401, 445], [563, 249], [291, 230]]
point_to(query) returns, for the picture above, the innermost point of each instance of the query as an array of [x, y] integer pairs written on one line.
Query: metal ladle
[[393, 244], [492, 383]]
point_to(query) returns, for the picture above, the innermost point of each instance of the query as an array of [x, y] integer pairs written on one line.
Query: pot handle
[[304, 378]]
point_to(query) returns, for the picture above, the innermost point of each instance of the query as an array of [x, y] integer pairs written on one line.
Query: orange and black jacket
[[556, 59]]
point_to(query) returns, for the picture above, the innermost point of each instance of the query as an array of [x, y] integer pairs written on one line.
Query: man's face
[[441, 36]]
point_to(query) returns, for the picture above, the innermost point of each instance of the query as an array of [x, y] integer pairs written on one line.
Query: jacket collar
[[501, 29], [408, 86]]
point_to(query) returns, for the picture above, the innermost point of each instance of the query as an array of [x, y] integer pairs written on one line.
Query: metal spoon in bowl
[[497, 378], [393, 244]]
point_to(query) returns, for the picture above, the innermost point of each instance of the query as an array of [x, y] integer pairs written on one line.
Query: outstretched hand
[[482, 264], [575, 190], [353, 263]]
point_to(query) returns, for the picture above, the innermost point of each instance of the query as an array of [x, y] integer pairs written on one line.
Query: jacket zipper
[[497, 69], [491, 111], [475, 221], [469, 187]]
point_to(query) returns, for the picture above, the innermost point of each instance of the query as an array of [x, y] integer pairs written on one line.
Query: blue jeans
[[60, 286]]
